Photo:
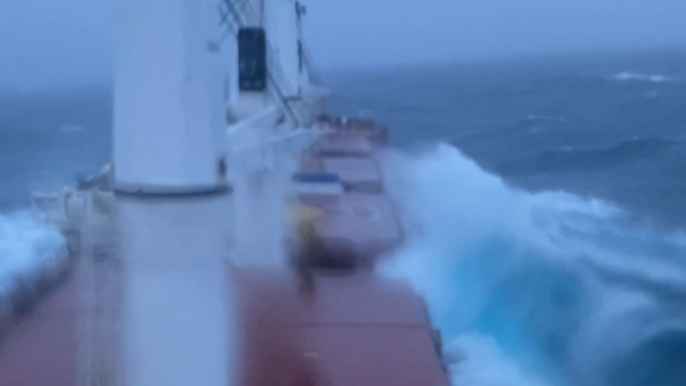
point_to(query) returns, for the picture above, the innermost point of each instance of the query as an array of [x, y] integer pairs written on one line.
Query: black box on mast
[[252, 59]]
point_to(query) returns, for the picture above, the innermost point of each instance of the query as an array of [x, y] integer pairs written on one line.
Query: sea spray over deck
[[537, 289], [26, 247], [259, 201]]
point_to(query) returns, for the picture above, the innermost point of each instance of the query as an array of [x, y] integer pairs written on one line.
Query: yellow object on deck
[[302, 217]]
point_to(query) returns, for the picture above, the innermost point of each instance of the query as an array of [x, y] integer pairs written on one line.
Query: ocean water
[[49, 139], [543, 288], [607, 126], [543, 203], [26, 246], [542, 198]]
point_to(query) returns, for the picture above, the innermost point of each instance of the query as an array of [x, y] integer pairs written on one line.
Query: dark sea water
[[543, 200], [49, 139], [609, 126]]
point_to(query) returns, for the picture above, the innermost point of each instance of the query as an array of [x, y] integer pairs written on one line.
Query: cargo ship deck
[[322, 318]]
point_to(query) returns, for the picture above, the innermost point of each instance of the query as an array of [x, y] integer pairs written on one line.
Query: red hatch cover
[[344, 145], [353, 170], [359, 330], [364, 223]]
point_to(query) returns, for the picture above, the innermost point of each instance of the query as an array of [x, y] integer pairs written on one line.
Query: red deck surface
[[42, 349], [362, 220], [344, 144], [356, 330], [352, 330], [364, 223], [353, 170]]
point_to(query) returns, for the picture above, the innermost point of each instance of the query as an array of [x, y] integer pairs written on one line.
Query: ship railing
[[242, 13]]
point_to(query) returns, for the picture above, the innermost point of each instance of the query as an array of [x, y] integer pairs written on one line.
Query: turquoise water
[[541, 288], [544, 206]]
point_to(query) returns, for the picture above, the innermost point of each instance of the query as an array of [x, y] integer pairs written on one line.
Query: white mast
[[169, 135], [168, 99]]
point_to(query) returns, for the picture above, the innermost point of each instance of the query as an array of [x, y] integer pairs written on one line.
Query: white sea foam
[[629, 76], [477, 360], [512, 277], [25, 247]]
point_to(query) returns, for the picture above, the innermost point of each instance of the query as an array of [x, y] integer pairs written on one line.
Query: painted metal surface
[[361, 220], [351, 330], [42, 347], [168, 102], [362, 223]]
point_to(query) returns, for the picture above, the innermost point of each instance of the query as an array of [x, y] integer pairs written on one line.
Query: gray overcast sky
[[67, 41]]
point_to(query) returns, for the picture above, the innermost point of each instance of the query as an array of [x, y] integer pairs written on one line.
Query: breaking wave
[[25, 247], [537, 289], [629, 76]]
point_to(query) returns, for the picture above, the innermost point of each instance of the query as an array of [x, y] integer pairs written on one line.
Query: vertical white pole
[[168, 113], [168, 133], [177, 322]]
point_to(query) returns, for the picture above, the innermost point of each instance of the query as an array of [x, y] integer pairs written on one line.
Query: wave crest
[[26, 247], [629, 76], [512, 268]]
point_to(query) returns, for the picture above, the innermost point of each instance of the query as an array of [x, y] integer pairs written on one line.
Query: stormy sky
[[60, 42]]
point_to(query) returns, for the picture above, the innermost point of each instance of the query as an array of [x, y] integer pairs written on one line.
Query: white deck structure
[[183, 127]]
